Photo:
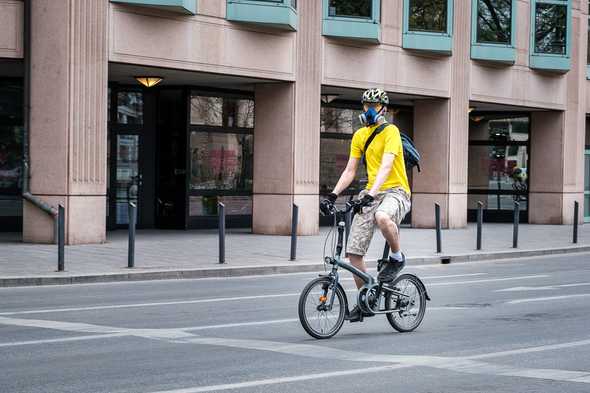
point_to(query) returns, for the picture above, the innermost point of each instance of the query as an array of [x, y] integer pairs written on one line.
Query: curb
[[240, 271]]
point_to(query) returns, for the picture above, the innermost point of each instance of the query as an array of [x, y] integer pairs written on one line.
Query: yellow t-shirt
[[387, 141]]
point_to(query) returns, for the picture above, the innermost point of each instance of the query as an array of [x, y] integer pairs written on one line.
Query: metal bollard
[[221, 226], [132, 213], [479, 223], [294, 222], [61, 238], [516, 221], [576, 211], [438, 228]]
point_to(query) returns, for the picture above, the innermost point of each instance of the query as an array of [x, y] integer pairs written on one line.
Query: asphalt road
[[508, 326]]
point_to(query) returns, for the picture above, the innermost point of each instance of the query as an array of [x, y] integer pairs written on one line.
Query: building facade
[[258, 100]]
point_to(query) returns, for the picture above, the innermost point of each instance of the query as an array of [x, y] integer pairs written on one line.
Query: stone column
[[287, 137], [68, 118], [441, 133], [557, 143]]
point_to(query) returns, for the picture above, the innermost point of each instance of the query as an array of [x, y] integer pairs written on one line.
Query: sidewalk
[[191, 254]]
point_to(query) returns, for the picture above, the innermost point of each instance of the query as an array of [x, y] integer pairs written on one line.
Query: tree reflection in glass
[[494, 21], [428, 15], [550, 28], [350, 8]]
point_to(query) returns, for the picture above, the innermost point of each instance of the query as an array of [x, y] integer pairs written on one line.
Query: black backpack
[[411, 154]]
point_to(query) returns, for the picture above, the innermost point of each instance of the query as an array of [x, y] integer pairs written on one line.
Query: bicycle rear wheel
[[317, 320], [411, 303]]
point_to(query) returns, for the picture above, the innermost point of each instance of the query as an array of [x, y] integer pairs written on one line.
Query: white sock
[[397, 255]]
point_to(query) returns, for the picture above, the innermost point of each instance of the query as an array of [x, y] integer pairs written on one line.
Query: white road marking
[[455, 364], [440, 284], [546, 299], [236, 298], [520, 351], [280, 380], [155, 304], [543, 288], [62, 339], [432, 277]]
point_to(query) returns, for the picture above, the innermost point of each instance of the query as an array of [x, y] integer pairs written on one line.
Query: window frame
[[206, 220], [551, 61], [441, 43], [274, 13], [496, 52], [360, 28]]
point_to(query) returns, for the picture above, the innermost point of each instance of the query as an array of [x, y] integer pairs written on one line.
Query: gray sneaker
[[390, 269]]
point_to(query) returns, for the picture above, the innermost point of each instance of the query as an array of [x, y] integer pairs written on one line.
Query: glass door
[[127, 176]]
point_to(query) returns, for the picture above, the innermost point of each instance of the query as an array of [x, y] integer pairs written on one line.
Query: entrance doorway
[[131, 157]]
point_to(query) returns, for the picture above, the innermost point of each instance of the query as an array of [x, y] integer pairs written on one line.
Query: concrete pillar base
[[453, 210], [272, 214], [555, 208], [85, 220]]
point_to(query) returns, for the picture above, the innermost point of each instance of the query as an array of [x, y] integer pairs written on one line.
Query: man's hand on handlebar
[[327, 205], [357, 205]]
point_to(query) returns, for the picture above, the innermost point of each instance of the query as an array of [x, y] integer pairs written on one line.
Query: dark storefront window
[[498, 165], [350, 8], [221, 155], [11, 148], [428, 15], [494, 21], [338, 124], [551, 28]]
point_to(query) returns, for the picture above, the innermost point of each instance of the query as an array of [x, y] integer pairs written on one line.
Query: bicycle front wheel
[[411, 303], [318, 318]]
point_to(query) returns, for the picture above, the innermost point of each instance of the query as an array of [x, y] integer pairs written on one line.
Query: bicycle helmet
[[376, 96]]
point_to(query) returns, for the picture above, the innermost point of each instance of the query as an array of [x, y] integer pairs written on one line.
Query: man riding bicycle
[[386, 199]]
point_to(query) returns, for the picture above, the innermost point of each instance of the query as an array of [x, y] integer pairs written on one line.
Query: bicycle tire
[[421, 293], [303, 317]]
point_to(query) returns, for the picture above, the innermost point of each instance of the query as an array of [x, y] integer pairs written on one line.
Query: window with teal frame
[[428, 25], [281, 14], [551, 35], [493, 30], [182, 6], [354, 19]]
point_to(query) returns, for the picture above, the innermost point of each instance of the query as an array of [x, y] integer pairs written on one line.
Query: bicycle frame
[[369, 281]]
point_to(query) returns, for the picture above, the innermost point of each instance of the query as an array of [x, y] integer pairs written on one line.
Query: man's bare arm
[[347, 175], [383, 174]]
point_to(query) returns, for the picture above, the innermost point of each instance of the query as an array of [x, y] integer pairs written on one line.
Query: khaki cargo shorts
[[394, 202]]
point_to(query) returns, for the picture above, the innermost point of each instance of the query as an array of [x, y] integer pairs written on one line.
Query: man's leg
[[358, 262], [389, 230]]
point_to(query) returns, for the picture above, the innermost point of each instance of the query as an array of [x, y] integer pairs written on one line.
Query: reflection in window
[[334, 155], [339, 120], [550, 28], [235, 205], [222, 112], [221, 161], [498, 162], [350, 8], [129, 107], [428, 15], [494, 21]]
